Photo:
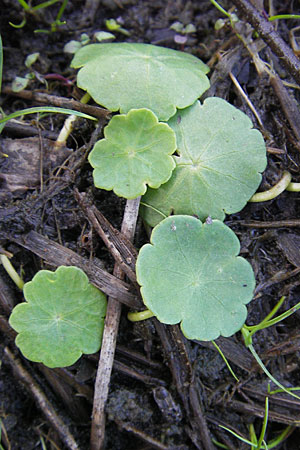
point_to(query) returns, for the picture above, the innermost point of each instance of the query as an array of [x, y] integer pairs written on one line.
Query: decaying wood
[[268, 33], [154, 443], [41, 400], [57, 255], [73, 403], [109, 339], [177, 354], [259, 411], [288, 104], [274, 224], [235, 353], [121, 249], [137, 375], [61, 102], [7, 300]]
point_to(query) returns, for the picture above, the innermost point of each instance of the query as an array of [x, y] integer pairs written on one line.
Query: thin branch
[[109, 339], [41, 400], [54, 100], [117, 244], [57, 255], [268, 33]]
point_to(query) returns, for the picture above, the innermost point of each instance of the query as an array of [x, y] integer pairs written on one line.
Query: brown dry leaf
[[20, 164]]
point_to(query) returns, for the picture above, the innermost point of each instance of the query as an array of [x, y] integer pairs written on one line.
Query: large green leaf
[[62, 318], [218, 170], [135, 152], [190, 273], [124, 76]]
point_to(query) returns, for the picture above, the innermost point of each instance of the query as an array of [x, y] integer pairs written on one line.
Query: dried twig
[[109, 339], [288, 104], [41, 400], [58, 101], [270, 36], [152, 442], [117, 244], [176, 352], [57, 255]]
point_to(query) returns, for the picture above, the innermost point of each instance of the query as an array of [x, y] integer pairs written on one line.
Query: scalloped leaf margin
[[124, 76], [190, 273], [135, 152], [62, 318], [219, 166]]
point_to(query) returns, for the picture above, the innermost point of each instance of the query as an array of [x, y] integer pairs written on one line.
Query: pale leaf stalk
[[109, 339], [12, 272], [275, 191], [67, 129], [140, 315]]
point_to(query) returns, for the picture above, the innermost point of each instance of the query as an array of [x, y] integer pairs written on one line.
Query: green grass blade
[[269, 375], [47, 109], [237, 436], [226, 361], [264, 426]]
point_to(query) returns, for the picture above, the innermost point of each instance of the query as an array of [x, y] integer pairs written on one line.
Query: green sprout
[[259, 443], [28, 9]]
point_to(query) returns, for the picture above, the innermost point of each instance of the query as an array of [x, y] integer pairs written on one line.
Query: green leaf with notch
[[136, 151], [62, 318], [123, 76], [190, 273], [218, 167]]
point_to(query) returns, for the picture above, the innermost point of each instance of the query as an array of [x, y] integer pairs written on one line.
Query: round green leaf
[[218, 170], [123, 76], [135, 152], [62, 318], [190, 273]]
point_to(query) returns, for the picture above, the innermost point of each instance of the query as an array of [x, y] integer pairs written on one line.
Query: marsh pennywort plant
[[191, 272], [62, 317], [122, 76], [136, 152], [219, 156]]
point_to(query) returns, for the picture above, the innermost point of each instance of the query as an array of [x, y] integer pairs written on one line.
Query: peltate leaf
[[135, 152], [190, 273], [218, 170], [123, 76], [62, 318]]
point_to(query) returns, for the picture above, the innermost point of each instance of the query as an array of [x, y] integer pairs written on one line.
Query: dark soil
[[165, 392]]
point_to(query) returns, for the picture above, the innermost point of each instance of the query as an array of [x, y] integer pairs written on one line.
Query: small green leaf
[[135, 152], [72, 47], [84, 39], [190, 28], [19, 84], [124, 76], [112, 25], [218, 170], [31, 59], [103, 36], [62, 318], [190, 273]]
